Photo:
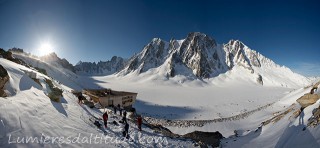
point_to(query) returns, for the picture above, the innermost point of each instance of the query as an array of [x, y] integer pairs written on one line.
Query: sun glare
[[45, 49]]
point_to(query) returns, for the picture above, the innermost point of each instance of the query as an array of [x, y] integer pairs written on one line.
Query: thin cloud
[[307, 69]]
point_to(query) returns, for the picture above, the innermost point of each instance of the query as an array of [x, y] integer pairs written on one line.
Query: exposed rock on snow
[[308, 99], [209, 138], [4, 77], [315, 119], [259, 79]]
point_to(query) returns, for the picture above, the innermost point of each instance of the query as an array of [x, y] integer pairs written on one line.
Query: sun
[[45, 49]]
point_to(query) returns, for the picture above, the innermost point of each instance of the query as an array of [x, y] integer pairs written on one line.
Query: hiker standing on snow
[[126, 131], [124, 118], [80, 98], [139, 121], [119, 109], [114, 109], [124, 113], [105, 119]]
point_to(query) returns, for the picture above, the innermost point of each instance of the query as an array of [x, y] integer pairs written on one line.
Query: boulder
[[308, 99], [209, 138]]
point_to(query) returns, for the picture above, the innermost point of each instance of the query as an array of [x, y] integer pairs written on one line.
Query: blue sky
[[287, 32]]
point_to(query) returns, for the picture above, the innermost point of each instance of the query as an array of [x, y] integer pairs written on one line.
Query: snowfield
[[179, 98]]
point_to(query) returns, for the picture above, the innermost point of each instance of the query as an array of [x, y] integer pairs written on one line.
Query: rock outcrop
[[4, 77], [309, 98], [208, 138], [315, 119]]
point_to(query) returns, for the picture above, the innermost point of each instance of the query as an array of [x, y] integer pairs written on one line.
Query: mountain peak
[[196, 34], [156, 40], [50, 57], [236, 44]]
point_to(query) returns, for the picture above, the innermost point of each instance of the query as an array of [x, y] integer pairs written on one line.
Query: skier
[[105, 119], [139, 121]]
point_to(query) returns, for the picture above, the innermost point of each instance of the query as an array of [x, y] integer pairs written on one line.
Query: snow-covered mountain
[[100, 68], [199, 56], [53, 59], [197, 53]]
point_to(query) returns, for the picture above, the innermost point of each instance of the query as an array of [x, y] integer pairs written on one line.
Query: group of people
[[118, 107], [123, 113]]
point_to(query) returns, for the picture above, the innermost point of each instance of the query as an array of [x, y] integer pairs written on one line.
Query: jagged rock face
[[239, 54], [152, 55], [199, 54], [19, 50], [4, 77], [100, 68]]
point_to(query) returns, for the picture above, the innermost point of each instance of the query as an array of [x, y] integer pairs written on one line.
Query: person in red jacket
[[139, 121], [105, 119]]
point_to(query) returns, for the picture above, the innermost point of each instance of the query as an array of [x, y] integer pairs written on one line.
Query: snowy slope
[[271, 73], [287, 132], [58, 72], [30, 113]]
